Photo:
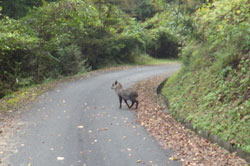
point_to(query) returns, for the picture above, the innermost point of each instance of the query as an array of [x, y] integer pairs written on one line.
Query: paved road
[[79, 123]]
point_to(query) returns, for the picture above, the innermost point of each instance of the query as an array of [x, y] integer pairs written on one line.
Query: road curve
[[79, 124]]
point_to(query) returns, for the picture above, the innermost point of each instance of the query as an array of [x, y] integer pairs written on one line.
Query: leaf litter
[[188, 147]]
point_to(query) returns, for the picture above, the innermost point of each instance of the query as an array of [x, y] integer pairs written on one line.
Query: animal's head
[[116, 85]]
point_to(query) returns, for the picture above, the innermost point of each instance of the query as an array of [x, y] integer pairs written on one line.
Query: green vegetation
[[19, 8], [212, 91], [65, 37], [148, 60]]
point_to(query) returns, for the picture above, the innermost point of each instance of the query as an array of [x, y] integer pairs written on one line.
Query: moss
[[148, 60], [23, 96]]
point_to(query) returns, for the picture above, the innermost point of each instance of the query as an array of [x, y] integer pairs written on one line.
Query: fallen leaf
[[80, 127], [172, 158], [60, 158], [102, 129], [129, 149]]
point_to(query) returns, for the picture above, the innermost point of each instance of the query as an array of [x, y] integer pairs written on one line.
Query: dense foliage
[[19, 8], [70, 36], [212, 91]]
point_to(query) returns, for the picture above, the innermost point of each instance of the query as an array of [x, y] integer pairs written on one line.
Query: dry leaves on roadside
[[188, 147]]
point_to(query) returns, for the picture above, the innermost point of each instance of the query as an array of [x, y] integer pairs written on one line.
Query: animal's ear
[[116, 82]]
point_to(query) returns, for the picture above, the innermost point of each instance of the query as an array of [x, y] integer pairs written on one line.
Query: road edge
[[202, 133]]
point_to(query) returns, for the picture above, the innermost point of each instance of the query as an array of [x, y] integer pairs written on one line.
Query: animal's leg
[[120, 99], [132, 104], [137, 103], [126, 103]]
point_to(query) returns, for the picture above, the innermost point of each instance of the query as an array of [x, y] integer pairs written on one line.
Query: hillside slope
[[212, 91]]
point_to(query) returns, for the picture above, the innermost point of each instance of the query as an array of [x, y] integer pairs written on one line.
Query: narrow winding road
[[79, 124]]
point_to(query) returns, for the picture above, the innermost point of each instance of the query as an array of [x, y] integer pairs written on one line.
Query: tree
[[19, 8]]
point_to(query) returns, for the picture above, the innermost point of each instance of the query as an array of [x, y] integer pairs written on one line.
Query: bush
[[71, 60], [17, 44], [162, 45]]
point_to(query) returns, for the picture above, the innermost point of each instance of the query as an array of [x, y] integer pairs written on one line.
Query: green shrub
[[162, 45], [71, 60], [17, 44]]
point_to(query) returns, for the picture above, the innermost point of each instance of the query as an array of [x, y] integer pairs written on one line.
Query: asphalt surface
[[79, 123]]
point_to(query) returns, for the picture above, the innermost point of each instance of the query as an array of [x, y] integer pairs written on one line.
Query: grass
[[147, 60], [23, 96], [213, 101]]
